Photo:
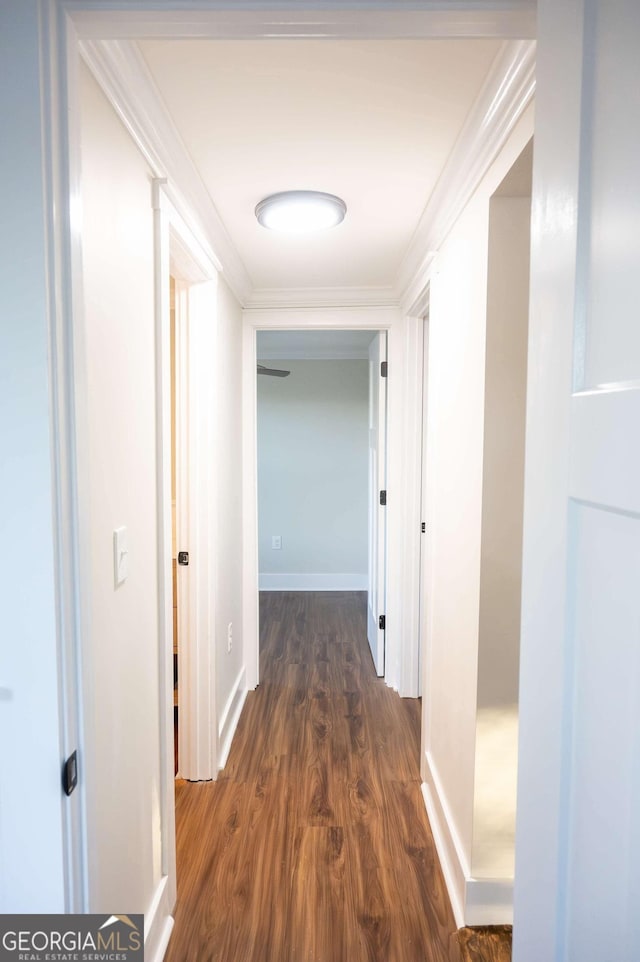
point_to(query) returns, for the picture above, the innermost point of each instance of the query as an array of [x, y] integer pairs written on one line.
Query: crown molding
[[268, 298], [247, 19], [508, 89], [503, 98], [123, 75]]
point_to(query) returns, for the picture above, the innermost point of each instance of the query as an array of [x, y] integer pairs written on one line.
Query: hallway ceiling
[[371, 121]]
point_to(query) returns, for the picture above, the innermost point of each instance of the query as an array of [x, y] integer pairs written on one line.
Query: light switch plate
[[276, 541], [120, 556]]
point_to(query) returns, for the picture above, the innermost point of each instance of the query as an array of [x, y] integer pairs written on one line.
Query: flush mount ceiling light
[[300, 211]]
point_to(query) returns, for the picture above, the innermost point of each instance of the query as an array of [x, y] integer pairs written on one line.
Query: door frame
[[195, 270], [347, 319], [377, 511], [426, 544], [67, 29]]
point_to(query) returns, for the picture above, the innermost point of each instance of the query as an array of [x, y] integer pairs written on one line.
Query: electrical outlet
[[276, 542], [229, 636]]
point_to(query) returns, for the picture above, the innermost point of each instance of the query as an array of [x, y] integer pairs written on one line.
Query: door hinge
[[384, 369], [423, 527], [70, 773], [183, 557], [383, 497], [382, 622]]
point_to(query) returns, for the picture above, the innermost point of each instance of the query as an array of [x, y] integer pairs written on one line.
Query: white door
[[377, 493], [577, 884]]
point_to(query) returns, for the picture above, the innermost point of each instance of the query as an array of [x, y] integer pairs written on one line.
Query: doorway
[[496, 755], [321, 458]]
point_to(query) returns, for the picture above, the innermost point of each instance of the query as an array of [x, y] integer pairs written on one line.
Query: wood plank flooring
[[486, 943], [313, 845]]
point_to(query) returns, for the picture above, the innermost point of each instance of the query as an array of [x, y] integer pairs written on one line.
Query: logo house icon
[[119, 918], [120, 934]]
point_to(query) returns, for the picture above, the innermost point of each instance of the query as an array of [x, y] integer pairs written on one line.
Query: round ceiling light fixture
[[300, 211]]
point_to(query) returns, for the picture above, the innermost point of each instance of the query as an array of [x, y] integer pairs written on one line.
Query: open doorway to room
[[472, 548], [321, 455], [496, 758]]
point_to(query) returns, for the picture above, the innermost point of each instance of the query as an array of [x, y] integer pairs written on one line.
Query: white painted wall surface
[[456, 402], [312, 474], [122, 744], [494, 815], [31, 742], [503, 461], [456, 412], [227, 374]]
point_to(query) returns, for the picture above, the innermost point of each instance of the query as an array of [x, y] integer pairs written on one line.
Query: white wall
[[501, 553], [230, 675], [456, 404], [31, 741], [122, 744], [503, 463], [312, 474]]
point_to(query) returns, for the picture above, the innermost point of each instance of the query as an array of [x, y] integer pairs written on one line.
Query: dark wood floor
[[313, 845]]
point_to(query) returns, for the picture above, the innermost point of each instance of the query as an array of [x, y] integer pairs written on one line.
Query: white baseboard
[[474, 901], [230, 717], [313, 582], [448, 845], [489, 901], [158, 923]]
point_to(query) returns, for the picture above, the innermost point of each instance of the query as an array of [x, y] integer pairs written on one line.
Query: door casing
[[65, 26]]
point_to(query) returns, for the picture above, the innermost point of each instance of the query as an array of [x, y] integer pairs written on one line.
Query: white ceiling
[[314, 345], [372, 121]]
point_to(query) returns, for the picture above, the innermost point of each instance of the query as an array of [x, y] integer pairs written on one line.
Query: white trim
[[164, 534], [376, 511], [268, 298], [488, 901], [162, 942], [61, 177], [409, 681], [503, 98], [158, 922], [322, 19], [475, 901], [195, 273], [313, 582], [373, 318], [419, 307], [122, 72], [250, 599], [311, 355], [231, 716], [448, 845], [196, 492], [368, 318]]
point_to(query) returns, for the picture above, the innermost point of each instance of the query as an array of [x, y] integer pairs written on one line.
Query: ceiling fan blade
[[272, 372]]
